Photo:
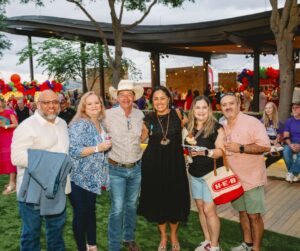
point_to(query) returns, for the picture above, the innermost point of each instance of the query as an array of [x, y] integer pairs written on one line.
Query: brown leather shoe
[[131, 246]]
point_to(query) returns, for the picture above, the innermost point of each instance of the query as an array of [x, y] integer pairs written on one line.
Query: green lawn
[[147, 234]]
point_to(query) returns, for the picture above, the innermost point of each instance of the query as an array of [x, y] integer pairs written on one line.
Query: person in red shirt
[[8, 122], [188, 100]]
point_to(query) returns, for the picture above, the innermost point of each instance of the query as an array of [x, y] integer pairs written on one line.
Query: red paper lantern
[[15, 78]]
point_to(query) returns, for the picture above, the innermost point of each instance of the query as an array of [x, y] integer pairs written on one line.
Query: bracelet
[[6, 126], [210, 153], [96, 149]]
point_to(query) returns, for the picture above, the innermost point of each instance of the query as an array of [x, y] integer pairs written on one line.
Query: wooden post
[[206, 62], [255, 105], [30, 58], [83, 66], [101, 71], [155, 71]]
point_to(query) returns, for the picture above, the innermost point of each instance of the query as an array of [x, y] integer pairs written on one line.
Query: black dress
[[165, 193], [202, 165]]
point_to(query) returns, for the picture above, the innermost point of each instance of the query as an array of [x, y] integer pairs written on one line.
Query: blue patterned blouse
[[90, 172]]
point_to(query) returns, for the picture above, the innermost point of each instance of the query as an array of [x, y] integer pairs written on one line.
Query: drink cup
[[227, 139]]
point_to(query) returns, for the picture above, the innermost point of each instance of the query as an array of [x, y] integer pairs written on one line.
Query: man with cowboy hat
[[124, 124], [291, 137]]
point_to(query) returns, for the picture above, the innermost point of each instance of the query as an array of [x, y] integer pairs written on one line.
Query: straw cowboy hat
[[127, 85], [296, 96]]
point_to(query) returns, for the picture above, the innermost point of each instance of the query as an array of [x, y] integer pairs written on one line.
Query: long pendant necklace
[[164, 141]]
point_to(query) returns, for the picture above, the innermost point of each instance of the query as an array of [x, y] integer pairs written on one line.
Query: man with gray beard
[[42, 131]]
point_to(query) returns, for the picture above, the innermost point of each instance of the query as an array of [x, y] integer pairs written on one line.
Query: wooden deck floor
[[282, 202]]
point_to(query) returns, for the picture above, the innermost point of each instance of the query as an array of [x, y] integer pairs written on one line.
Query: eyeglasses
[[129, 125], [53, 102]]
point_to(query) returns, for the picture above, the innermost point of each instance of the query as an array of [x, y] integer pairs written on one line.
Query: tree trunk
[[117, 62], [286, 66], [284, 24], [118, 31]]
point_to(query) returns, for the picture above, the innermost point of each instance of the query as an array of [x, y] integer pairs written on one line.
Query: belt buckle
[[130, 165]]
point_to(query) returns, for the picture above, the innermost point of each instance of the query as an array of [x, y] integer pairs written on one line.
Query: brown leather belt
[[129, 165]]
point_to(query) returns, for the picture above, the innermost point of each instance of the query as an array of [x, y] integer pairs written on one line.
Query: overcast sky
[[201, 10]]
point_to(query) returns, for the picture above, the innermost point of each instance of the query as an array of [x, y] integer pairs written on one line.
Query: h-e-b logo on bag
[[225, 183]]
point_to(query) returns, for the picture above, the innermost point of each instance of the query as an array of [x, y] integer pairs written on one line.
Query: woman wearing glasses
[[274, 129], [204, 131], [164, 195], [88, 146]]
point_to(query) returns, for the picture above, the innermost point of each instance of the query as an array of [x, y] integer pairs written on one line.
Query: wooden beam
[[245, 42], [167, 50]]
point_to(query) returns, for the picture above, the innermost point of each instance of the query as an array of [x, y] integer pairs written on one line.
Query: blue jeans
[[124, 191], [31, 229], [84, 216], [292, 165]]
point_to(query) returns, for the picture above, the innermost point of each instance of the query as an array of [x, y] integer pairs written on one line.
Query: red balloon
[[19, 87], [57, 87], [15, 78], [44, 86]]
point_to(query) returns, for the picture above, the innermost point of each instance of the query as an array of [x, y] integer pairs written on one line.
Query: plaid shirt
[[125, 134]]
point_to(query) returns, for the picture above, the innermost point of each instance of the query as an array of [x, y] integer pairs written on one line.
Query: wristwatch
[[209, 153], [242, 148]]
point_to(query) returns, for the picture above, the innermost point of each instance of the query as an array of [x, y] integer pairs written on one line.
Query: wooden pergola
[[249, 34]]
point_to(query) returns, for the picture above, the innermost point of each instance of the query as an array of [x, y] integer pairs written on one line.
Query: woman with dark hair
[[204, 131], [88, 147], [164, 195]]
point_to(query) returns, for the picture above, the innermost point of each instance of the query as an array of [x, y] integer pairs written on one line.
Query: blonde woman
[[89, 170], [274, 130], [205, 131]]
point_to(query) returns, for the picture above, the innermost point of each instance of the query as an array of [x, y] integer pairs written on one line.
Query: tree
[[4, 42], [284, 25], [61, 59], [118, 28]]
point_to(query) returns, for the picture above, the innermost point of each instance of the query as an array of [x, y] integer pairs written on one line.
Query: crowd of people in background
[[101, 141], [184, 99]]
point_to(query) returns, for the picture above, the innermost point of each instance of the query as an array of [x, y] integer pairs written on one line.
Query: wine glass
[[107, 138], [228, 139]]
